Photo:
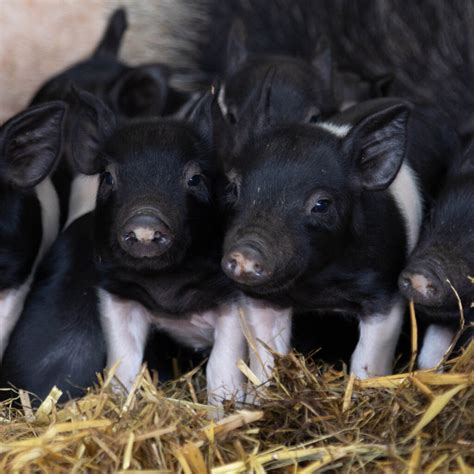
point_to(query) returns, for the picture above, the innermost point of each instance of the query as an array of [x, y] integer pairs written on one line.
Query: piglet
[[323, 217], [30, 144], [443, 264], [148, 257]]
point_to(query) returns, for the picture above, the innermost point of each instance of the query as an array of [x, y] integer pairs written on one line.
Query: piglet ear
[[200, 114], [111, 40], [236, 47], [142, 91], [379, 145], [322, 62], [92, 123], [31, 143]]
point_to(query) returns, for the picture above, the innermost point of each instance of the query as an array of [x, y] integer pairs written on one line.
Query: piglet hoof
[[366, 371], [219, 398]]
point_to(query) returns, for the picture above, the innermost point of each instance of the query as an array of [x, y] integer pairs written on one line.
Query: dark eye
[[231, 118], [314, 118], [321, 206], [195, 180], [107, 178]]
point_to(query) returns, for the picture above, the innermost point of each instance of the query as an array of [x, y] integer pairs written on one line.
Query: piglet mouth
[[145, 235]]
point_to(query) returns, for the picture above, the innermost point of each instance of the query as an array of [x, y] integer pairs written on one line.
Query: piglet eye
[[107, 178], [314, 118], [195, 180], [321, 206], [231, 118]]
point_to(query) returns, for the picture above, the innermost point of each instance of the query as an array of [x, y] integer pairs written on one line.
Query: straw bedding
[[309, 418]]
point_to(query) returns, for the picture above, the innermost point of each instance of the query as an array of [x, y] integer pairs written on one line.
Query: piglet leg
[[270, 331], [435, 344], [378, 339], [126, 325], [11, 305], [224, 378]]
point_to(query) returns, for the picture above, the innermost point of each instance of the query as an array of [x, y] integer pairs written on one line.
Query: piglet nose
[[424, 288], [145, 235], [246, 265]]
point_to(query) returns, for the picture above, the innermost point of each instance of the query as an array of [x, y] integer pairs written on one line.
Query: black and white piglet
[[155, 245], [443, 260], [325, 215], [30, 144]]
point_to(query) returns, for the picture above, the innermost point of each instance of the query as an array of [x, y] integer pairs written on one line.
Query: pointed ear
[[111, 40], [200, 114], [378, 144], [31, 143], [236, 47], [141, 91], [322, 62], [92, 123]]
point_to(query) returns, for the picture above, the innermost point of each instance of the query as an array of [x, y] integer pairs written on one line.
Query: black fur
[[425, 48], [58, 339]]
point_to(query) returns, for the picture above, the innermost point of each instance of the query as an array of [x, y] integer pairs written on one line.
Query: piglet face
[[444, 255], [291, 206], [296, 196], [153, 194]]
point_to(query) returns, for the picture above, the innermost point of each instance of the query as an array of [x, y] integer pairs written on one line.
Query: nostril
[[129, 237], [232, 264], [405, 283], [258, 269], [160, 238]]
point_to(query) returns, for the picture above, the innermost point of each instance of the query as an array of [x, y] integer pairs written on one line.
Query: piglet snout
[[145, 235], [423, 287], [246, 265]]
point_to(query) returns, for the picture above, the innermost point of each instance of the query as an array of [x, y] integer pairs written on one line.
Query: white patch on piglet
[[12, 300], [126, 325], [338, 130], [83, 196], [405, 190], [379, 333], [270, 331], [11, 306], [221, 101], [435, 344]]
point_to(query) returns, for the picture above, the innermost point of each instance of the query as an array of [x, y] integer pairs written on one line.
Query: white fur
[[338, 130], [12, 301], [82, 199], [126, 325], [435, 344], [406, 192], [269, 327], [378, 339], [11, 305], [221, 101], [224, 378]]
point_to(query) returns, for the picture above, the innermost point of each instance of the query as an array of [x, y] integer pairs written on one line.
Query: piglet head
[[154, 196], [444, 257], [297, 195]]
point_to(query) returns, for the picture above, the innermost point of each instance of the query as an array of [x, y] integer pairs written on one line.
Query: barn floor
[[311, 418]]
